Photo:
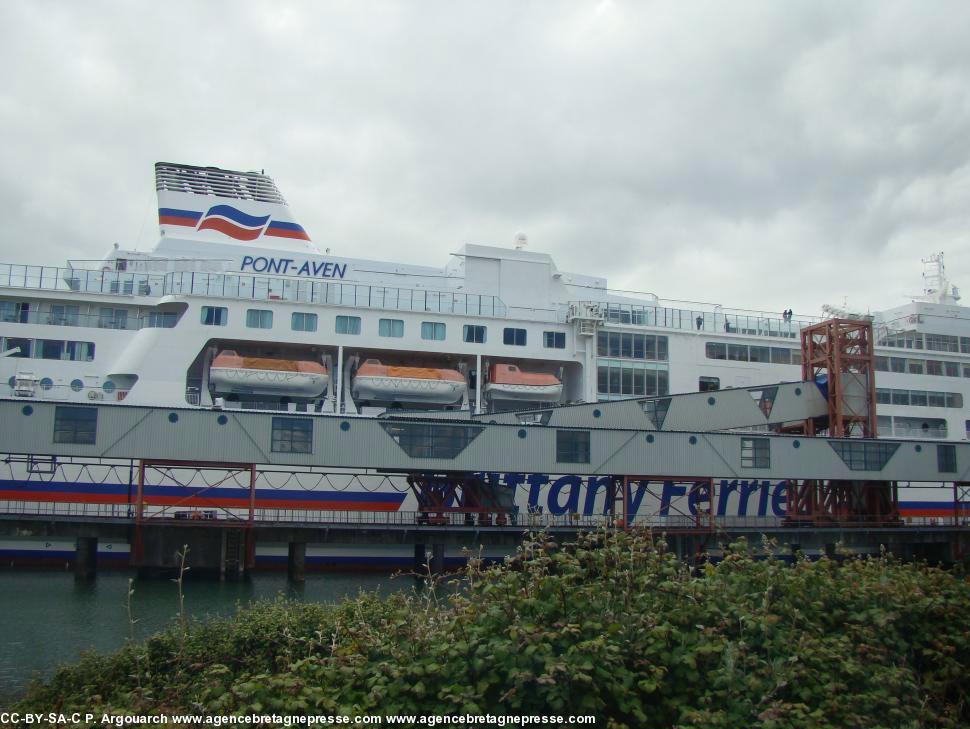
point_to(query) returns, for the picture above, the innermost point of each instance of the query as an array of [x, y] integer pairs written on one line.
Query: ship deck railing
[[711, 320], [355, 295]]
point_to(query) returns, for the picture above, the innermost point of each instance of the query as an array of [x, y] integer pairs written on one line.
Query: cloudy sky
[[754, 154]]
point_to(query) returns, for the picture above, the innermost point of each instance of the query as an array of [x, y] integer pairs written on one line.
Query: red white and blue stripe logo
[[232, 222]]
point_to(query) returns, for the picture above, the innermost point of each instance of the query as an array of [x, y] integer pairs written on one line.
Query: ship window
[[15, 343], [864, 455], [303, 322], [391, 327], [259, 319], [161, 319], [965, 345], [554, 340], [64, 315], [915, 366], [952, 369], [796, 357], [708, 384], [572, 446], [934, 367], [780, 355], [716, 350], [755, 453], [882, 364], [514, 337], [738, 352], [433, 330], [215, 316], [942, 343], [474, 333], [758, 354], [113, 318], [954, 400], [75, 425], [936, 399], [966, 370], [918, 398], [80, 351], [292, 435], [14, 311], [946, 458], [897, 364], [425, 440], [883, 396], [49, 349], [348, 325], [900, 397]]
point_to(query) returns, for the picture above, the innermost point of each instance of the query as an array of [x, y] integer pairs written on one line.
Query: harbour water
[[50, 618]]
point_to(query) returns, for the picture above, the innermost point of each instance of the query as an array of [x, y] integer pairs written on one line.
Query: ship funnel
[[221, 206]]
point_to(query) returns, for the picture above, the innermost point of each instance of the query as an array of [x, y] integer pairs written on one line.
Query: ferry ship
[[237, 308]]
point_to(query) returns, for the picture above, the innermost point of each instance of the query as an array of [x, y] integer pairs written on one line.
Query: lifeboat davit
[[232, 373], [375, 382], [508, 382]]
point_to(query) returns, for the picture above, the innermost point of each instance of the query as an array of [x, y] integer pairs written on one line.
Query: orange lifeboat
[[508, 382], [376, 382], [233, 373]]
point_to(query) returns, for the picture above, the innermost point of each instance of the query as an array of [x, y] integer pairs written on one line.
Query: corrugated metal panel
[[135, 432]]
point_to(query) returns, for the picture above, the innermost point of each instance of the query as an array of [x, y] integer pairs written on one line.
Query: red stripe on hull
[[65, 497]]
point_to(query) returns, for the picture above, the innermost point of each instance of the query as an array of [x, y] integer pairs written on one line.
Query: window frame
[[70, 429], [282, 434]]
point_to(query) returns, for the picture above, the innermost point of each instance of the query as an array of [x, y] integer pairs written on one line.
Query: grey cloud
[[758, 154]]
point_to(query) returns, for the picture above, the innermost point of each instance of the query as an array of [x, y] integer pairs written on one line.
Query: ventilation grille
[[213, 181]]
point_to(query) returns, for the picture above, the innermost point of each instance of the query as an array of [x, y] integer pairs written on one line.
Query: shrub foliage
[[611, 625]]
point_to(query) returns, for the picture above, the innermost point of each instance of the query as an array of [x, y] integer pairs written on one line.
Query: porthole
[[46, 383], [345, 426], [77, 385], [796, 444], [692, 440], [108, 386], [711, 401], [597, 413], [650, 438], [173, 417], [222, 420], [27, 410], [798, 391], [522, 433], [12, 381], [919, 449]]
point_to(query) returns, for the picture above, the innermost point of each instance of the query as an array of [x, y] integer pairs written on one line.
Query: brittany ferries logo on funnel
[[234, 223], [231, 222]]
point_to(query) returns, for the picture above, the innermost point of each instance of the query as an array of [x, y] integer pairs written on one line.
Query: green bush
[[611, 625]]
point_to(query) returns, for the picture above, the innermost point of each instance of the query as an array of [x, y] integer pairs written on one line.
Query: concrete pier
[[420, 559], [86, 557], [296, 562], [437, 558]]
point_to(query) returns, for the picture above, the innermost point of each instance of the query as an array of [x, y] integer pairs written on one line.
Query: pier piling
[[86, 557]]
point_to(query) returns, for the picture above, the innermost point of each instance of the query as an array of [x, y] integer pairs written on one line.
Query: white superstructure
[[234, 272]]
